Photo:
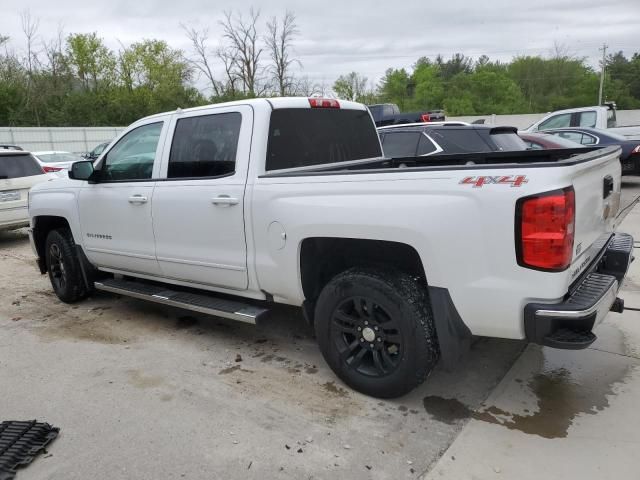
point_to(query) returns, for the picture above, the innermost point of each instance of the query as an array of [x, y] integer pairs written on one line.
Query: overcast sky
[[339, 36]]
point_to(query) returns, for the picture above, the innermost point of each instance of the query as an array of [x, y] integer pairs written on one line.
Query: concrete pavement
[[561, 414], [142, 391]]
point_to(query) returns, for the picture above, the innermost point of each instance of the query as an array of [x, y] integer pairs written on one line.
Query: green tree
[[427, 86], [394, 88], [90, 60], [351, 86]]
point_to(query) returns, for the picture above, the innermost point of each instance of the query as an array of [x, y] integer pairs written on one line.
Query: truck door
[[198, 209], [115, 213]]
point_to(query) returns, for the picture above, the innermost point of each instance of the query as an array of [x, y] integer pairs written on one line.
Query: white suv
[[19, 171]]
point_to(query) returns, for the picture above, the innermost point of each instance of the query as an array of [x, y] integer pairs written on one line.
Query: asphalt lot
[[143, 391]]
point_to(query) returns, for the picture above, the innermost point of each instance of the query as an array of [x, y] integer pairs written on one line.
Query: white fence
[[84, 139], [624, 117], [69, 139]]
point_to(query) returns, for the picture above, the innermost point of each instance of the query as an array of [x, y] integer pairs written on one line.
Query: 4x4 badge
[[513, 180]]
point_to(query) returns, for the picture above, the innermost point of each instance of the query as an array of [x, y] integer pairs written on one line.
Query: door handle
[[137, 199], [224, 200]]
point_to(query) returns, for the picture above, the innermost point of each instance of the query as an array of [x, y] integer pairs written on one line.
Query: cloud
[[338, 36]]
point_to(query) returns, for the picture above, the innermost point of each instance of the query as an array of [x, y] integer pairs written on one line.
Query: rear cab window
[[18, 165], [205, 146], [305, 137], [587, 119]]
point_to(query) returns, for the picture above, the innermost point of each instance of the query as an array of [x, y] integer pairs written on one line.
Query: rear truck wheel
[[376, 331], [63, 266]]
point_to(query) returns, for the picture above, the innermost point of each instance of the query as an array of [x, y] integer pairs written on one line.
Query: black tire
[[63, 266], [402, 322]]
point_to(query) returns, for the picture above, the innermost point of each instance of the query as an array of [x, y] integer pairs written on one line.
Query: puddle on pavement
[[568, 385], [446, 410]]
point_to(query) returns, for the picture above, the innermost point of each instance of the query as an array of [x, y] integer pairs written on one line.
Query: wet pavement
[[560, 414]]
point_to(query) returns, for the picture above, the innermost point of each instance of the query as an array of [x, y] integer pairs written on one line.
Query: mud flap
[[454, 337]]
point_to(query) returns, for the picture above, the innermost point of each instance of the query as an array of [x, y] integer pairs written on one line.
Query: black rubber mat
[[20, 442]]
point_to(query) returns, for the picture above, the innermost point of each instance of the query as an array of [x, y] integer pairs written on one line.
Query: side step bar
[[189, 301]]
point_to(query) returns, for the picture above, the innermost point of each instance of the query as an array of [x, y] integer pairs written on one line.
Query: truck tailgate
[[597, 187]]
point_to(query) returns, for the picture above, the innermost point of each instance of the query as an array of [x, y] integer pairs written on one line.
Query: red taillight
[[425, 117], [324, 103], [545, 228], [46, 169]]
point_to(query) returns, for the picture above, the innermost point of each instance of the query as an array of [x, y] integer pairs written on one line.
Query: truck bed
[[523, 159]]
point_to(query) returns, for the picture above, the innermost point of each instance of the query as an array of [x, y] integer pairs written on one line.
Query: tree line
[[526, 84], [77, 80]]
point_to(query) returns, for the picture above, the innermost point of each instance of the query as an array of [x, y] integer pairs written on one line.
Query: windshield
[[16, 166], [302, 137], [58, 157]]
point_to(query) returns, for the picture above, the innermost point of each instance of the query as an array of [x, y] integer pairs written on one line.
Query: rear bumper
[[569, 324], [14, 217]]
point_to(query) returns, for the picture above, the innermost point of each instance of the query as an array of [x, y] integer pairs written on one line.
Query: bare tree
[[201, 61], [279, 41], [245, 51], [228, 57], [55, 55], [30, 29]]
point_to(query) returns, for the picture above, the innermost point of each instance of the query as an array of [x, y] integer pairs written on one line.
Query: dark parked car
[[630, 156], [95, 153], [389, 114], [545, 141], [448, 138]]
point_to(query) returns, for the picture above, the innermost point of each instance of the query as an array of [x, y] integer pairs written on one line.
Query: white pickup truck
[[602, 117], [230, 208]]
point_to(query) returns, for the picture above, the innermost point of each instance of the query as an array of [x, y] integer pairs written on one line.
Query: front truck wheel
[[376, 331], [63, 266]]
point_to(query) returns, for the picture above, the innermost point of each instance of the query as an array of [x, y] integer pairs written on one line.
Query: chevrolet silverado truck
[[602, 117], [229, 209]]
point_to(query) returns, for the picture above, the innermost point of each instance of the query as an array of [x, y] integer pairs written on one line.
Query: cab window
[[205, 146], [587, 119], [133, 156], [557, 121]]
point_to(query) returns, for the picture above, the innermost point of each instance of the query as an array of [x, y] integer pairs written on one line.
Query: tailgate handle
[[607, 186]]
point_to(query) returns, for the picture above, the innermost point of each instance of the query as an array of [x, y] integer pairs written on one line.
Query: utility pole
[[602, 68]]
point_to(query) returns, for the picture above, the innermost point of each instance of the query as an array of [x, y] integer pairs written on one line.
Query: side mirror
[[81, 170]]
